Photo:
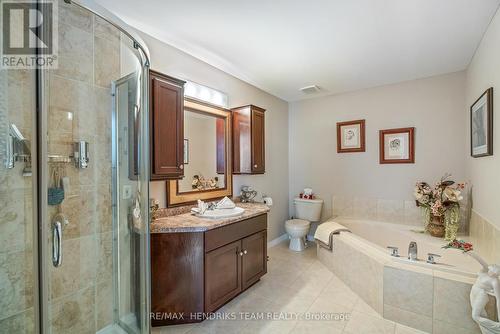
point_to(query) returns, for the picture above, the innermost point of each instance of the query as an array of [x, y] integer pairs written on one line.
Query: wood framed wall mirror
[[207, 147]]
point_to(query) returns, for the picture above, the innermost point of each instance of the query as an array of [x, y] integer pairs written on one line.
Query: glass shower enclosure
[[74, 211]]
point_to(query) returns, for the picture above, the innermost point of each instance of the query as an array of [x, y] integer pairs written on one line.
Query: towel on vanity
[[324, 233], [225, 203]]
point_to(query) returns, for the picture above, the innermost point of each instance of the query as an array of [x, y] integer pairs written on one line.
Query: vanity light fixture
[[206, 94]]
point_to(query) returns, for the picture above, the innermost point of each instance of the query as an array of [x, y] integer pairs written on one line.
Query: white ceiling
[[339, 45]]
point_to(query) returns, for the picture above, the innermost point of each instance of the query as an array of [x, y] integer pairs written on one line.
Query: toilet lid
[[297, 222]]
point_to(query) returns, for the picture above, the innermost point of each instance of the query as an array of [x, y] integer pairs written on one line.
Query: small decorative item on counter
[[247, 194], [441, 208], [459, 244], [307, 194], [154, 206]]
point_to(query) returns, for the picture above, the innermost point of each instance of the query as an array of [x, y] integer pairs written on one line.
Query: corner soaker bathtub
[[430, 297]]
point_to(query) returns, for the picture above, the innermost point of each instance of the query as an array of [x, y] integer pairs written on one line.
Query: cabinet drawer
[[224, 235]]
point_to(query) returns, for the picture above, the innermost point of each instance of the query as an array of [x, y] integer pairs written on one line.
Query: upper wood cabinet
[[248, 140], [166, 126]]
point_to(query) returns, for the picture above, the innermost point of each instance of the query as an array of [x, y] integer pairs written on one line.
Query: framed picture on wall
[[481, 125], [186, 151], [397, 146], [351, 136]]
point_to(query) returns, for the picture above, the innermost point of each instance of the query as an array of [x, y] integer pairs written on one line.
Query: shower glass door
[[94, 179], [18, 237]]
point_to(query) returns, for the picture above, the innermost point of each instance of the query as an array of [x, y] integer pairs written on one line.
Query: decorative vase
[[436, 227], [451, 231]]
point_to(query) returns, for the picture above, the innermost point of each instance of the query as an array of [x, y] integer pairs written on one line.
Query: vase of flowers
[[435, 226], [441, 206]]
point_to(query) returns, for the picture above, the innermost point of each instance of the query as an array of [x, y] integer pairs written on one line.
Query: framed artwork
[[351, 136], [397, 146], [186, 151], [481, 125]]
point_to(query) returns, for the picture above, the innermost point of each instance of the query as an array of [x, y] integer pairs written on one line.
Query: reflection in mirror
[[207, 159], [204, 146]]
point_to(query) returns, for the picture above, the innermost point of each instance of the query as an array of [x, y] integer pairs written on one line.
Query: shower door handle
[[57, 244]]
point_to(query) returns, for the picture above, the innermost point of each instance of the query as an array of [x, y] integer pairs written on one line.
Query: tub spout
[[412, 251]]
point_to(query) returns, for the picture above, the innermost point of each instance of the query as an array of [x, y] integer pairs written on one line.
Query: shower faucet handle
[[431, 258], [394, 251]]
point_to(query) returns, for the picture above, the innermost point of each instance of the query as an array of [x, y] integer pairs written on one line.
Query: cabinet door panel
[[254, 260], [222, 275], [241, 141], [258, 150], [176, 275], [167, 128]]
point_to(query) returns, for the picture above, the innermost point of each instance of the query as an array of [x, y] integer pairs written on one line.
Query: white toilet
[[306, 211]]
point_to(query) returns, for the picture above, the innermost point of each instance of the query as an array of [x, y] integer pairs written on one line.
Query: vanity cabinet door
[[222, 275], [254, 259], [167, 127]]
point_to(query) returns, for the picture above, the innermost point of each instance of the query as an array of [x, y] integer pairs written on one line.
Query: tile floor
[[296, 283]]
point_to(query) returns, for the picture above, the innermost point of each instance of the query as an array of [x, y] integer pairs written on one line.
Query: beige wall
[[433, 106], [274, 182], [484, 173]]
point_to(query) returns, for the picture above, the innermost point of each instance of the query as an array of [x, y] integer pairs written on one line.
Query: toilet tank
[[308, 209]]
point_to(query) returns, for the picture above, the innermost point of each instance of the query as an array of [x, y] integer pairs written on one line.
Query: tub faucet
[[412, 251]]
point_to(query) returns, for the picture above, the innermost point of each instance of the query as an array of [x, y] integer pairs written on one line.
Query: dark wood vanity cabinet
[[167, 126], [248, 140], [233, 268], [253, 261], [222, 275], [196, 272]]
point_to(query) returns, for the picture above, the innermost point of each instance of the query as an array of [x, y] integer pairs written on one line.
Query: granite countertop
[[188, 222]]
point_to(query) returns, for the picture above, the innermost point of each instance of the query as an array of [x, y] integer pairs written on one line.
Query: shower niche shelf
[[80, 157]]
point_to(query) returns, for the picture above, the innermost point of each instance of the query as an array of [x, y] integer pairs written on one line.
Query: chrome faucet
[[412, 251]]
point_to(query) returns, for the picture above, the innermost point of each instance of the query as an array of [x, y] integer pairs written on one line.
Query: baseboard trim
[[278, 240]]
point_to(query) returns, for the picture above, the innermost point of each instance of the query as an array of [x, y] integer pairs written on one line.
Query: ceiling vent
[[310, 89]]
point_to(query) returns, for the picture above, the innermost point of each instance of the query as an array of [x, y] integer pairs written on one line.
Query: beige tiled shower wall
[[485, 238], [403, 212], [17, 105], [81, 298]]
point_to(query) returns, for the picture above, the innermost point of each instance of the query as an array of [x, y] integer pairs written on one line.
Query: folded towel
[[202, 207], [225, 203], [324, 233]]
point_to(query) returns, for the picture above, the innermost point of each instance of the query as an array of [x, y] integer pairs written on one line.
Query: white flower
[[452, 195]]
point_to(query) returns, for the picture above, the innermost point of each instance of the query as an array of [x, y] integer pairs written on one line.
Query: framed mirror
[[207, 155]]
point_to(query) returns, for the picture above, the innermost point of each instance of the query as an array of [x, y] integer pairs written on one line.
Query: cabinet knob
[[245, 252], [181, 166], [255, 166], [241, 253]]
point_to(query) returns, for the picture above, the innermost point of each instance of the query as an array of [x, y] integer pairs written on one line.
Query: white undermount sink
[[220, 213]]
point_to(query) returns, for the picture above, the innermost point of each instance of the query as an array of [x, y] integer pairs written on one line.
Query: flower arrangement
[[459, 244], [200, 183], [441, 206]]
